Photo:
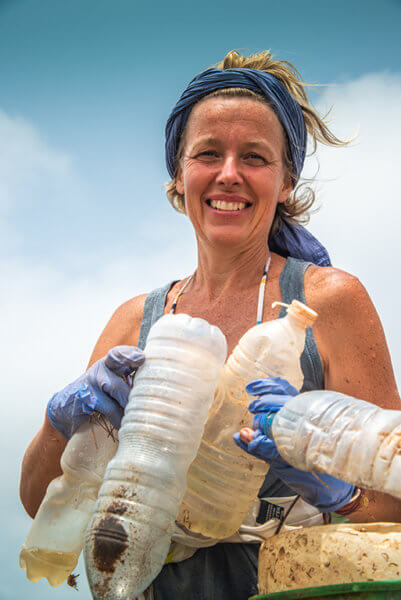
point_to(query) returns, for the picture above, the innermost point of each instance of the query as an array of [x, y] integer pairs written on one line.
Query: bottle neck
[[296, 321]]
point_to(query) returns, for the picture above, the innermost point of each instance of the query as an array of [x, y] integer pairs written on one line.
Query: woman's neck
[[220, 269]]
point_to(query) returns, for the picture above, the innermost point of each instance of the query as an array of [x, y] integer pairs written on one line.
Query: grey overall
[[229, 571]]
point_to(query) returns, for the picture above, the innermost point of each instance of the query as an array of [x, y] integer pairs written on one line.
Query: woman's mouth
[[224, 206]]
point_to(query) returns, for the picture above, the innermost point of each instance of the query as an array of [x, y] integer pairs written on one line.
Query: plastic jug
[[223, 481], [56, 537], [129, 535], [351, 439]]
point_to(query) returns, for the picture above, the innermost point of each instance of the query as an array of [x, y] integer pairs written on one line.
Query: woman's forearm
[[41, 464], [375, 507]]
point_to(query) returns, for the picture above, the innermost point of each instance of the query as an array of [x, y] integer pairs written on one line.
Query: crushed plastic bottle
[[128, 538], [351, 439], [223, 481], [56, 537]]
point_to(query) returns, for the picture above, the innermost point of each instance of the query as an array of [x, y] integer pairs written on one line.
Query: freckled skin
[[231, 259]]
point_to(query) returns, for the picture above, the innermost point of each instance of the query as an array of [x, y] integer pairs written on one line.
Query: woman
[[235, 147]]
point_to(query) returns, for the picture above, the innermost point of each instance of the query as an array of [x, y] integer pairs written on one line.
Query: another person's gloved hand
[[325, 492], [104, 388]]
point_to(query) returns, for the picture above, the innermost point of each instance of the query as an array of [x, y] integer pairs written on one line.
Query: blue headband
[[286, 108]]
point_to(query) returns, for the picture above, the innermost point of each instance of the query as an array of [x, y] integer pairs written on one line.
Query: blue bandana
[[286, 108], [291, 240]]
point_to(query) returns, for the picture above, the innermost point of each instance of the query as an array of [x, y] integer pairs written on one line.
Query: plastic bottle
[[351, 439], [129, 535], [56, 537], [223, 481]]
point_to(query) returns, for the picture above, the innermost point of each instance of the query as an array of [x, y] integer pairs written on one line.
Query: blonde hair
[[298, 205]]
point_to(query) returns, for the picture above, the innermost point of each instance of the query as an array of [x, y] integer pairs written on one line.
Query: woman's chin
[[228, 237]]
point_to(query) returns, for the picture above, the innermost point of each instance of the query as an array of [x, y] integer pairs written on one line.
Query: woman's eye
[[255, 158], [207, 154]]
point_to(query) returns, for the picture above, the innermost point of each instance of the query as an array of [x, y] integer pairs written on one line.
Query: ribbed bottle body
[[56, 537], [351, 439], [129, 535], [223, 481]]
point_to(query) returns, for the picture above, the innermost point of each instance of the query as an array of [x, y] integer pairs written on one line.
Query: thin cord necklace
[[262, 287]]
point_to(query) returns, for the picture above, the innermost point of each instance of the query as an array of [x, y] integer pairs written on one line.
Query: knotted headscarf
[[290, 240]]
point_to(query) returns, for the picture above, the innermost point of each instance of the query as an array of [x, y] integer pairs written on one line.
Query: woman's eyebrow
[[204, 140], [258, 145]]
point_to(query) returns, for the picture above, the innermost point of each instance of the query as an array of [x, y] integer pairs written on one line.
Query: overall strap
[[153, 310], [292, 287]]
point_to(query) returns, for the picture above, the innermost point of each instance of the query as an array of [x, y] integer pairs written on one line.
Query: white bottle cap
[[302, 313]]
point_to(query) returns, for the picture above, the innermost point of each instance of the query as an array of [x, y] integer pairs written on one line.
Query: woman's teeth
[[221, 205]]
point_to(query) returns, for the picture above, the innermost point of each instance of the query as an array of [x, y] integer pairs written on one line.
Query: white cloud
[[359, 192], [27, 163]]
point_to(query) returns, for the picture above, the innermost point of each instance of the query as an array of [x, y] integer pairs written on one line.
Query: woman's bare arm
[[356, 359], [40, 465], [41, 462]]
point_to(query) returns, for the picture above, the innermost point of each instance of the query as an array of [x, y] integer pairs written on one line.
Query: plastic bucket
[[368, 590]]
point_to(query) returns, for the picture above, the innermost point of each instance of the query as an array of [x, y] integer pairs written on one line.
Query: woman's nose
[[229, 173]]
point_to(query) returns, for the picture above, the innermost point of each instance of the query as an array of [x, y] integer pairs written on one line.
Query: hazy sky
[[85, 89]]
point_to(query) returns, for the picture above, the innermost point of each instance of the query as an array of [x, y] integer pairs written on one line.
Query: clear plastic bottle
[[351, 439], [129, 535], [56, 537], [223, 481]]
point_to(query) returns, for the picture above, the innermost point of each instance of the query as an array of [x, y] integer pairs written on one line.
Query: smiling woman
[[235, 148]]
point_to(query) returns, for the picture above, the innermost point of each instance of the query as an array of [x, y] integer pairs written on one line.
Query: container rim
[[331, 590]]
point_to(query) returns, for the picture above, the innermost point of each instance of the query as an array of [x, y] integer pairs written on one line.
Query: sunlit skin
[[234, 153]]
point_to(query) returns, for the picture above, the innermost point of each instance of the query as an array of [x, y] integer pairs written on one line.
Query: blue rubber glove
[[271, 394], [325, 492], [104, 388]]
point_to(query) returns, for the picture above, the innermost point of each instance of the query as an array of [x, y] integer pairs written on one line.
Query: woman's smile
[[226, 203]]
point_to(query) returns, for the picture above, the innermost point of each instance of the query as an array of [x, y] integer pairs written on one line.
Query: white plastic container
[[56, 537], [129, 535], [351, 439], [223, 481]]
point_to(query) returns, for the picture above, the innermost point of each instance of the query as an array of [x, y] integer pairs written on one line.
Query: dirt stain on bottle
[[110, 543]]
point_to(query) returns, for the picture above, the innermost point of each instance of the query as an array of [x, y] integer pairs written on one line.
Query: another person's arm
[[41, 462]]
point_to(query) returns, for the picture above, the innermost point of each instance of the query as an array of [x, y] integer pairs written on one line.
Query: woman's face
[[232, 172]]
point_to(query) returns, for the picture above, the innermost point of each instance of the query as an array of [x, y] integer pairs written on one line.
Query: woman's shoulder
[[130, 312], [346, 313], [122, 328], [329, 288]]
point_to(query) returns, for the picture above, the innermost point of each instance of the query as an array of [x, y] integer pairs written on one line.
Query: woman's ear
[[179, 182], [286, 188]]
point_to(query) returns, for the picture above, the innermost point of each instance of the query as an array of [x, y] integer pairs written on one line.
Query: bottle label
[[268, 511]]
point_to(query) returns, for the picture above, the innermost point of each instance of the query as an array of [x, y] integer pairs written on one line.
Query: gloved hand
[[271, 394], [104, 388], [325, 492]]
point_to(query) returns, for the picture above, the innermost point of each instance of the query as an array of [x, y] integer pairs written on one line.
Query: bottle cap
[[300, 312]]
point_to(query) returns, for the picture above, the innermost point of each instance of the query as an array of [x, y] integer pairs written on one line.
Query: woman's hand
[[325, 492], [104, 388]]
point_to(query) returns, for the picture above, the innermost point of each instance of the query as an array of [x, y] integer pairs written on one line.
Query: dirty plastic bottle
[[56, 537], [351, 439], [223, 481], [128, 538]]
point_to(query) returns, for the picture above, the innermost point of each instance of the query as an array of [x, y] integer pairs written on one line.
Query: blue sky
[[98, 80], [85, 89]]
